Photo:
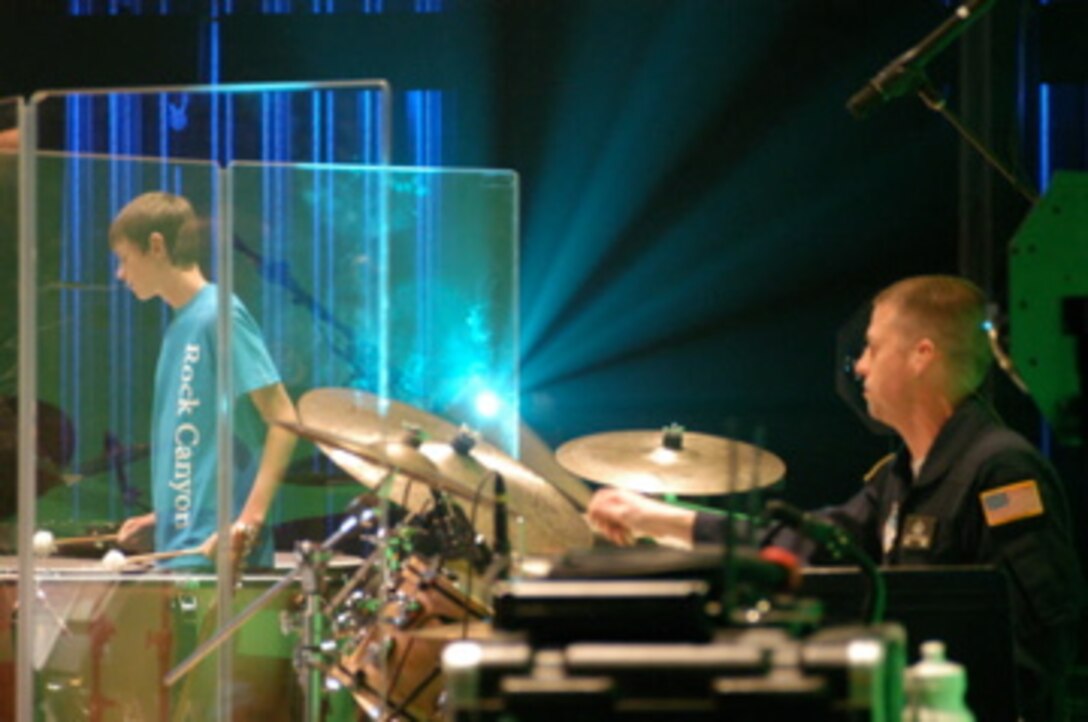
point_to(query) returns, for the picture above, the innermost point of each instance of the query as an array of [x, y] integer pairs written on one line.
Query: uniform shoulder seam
[[876, 468]]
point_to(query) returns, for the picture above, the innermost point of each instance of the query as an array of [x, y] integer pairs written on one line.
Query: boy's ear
[[156, 244]]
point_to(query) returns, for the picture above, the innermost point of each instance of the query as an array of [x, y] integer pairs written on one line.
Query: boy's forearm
[[274, 405]]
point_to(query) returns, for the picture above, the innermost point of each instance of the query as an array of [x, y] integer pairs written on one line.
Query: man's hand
[[621, 516]]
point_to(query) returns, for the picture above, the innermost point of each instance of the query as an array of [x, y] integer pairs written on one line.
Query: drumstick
[[99, 538], [158, 556]]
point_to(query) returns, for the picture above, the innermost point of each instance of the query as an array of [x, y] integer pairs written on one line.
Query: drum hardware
[[545, 519], [403, 586], [311, 658], [443, 476], [313, 655], [542, 519], [393, 672]]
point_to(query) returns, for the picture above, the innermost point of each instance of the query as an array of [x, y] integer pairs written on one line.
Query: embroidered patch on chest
[[891, 529], [1010, 503], [918, 531]]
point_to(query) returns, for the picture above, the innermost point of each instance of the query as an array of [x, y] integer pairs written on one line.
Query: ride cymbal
[[671, 461]]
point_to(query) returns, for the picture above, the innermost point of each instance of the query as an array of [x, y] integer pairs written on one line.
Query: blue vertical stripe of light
[[119, 118], [76, 215], [1045, 432], [1044, 130], [425, 119], [1044, 136]]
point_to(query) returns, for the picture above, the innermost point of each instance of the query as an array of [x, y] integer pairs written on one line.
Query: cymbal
[[671, 461], [368, 418], [317, 470], [370, 463], [544, 520]]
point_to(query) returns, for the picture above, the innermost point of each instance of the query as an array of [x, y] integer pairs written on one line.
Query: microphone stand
[[906, 74], [842, 545], [499, 568], [937, 103]]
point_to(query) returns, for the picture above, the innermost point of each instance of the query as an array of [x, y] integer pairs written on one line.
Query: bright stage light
[[488, 404]]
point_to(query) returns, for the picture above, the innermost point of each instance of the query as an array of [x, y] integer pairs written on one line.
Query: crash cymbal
[[541, 519], [544, 519], [671, 461], [317, 470], [368, 418], [371, 463]]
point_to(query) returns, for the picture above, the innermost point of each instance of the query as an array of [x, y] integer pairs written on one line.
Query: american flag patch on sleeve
[[1011, 503]]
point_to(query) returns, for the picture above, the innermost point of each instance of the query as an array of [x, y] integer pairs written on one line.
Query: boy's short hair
[[168, 214]]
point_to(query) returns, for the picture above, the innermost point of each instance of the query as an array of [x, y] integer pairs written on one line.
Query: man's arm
[[621, 516]]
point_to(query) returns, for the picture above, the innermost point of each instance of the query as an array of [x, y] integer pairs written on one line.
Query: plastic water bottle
[[935, 688]]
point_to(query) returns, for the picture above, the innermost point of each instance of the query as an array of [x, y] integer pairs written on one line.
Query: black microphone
[[837, 540], [499, 564], [771, 568], [502, 528], [905, 74], [841, 544]]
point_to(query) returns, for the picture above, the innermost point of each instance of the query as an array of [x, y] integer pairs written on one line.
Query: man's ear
[[923, 355]]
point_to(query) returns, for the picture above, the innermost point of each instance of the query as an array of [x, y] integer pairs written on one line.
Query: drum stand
[[309, 661]]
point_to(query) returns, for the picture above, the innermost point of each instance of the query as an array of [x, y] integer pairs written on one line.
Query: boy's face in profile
[[140, 270]]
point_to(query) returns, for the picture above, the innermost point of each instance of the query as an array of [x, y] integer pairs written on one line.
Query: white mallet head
[[44, 544], [114, 560]]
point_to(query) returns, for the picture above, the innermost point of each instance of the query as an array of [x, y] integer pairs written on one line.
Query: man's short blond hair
[[170, 215], [951, 312]]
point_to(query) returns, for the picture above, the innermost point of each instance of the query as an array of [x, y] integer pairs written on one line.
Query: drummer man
[[156, 241], [962, 490]]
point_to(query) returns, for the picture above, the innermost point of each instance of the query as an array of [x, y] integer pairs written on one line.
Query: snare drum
[[392, 660]]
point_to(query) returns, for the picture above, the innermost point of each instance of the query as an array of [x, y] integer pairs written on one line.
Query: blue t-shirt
[[184, 443]]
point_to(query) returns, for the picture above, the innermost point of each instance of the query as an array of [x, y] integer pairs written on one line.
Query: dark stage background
[[700, 215]]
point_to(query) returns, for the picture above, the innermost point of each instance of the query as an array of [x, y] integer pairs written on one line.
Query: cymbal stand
[[309, 655], [731, 485]]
